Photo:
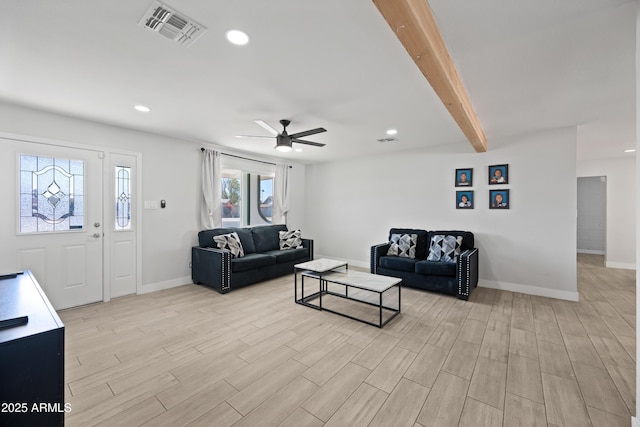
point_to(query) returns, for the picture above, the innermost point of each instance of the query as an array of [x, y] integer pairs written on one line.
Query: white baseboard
[[635, 422], [530, 290], [160, 286], [590, 251], [622, 265], [493, 284]]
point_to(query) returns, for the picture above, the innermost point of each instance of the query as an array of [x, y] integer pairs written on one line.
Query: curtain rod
[[246, 158]]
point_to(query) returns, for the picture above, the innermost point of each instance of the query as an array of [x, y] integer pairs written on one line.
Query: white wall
[[530, 248], [621, 209], [170, 171]]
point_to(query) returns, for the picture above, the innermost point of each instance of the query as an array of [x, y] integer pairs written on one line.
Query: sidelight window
[[123, 198]]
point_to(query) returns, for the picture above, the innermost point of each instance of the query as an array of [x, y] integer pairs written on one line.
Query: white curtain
[[280, 194], [211, 209]]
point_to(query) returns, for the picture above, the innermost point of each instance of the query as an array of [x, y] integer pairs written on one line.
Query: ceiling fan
[[284, 141]]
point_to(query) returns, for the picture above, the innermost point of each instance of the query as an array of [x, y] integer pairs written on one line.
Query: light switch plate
[[150, 204]]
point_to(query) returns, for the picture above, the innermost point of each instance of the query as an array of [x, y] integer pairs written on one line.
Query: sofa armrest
[[308, 243], [211, 267], [377, 251], [467, 271]]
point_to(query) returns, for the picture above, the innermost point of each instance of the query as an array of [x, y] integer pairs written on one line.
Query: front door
[[52, 221]]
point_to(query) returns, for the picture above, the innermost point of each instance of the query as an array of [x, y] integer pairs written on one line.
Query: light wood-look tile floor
[[189, 356]]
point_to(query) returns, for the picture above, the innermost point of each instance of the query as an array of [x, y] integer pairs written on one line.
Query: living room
[[348, 204]]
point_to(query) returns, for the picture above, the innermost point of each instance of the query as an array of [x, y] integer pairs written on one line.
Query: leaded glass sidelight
[[51, 194], [123, 198]]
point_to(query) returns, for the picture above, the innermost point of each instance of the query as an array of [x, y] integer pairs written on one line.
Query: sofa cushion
[[436, 268], [251, 261], [290, 239], [421, 240], [468, 241], [231, 242], [267, 237], [403, 245], [288, 255], [444, 248], [398, 263], [205, 238], [246, 239]]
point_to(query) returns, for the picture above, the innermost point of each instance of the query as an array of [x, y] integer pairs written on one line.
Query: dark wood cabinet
[[31, 355]]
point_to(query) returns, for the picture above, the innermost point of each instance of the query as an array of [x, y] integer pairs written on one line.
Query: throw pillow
[[403, 245], [231, 242], [290, 239], [444, 248]]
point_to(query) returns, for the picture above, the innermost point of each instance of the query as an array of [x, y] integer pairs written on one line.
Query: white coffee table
[[337, 272]]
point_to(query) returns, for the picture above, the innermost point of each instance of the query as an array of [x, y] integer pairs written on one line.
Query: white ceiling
[[527, 65]]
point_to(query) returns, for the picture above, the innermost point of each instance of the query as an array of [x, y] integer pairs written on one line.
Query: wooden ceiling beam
[[413, 23]]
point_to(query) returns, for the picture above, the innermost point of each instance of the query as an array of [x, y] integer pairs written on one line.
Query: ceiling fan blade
[[302, 141], [254, 137], [308, 132], [267, 127]]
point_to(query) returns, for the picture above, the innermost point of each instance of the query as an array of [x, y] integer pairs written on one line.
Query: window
[[51, 194], [231, 198], [123, 198], [265, 197], [247, 197]]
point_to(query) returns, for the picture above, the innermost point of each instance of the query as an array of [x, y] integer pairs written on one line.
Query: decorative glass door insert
[[123, 198], [51, 194]]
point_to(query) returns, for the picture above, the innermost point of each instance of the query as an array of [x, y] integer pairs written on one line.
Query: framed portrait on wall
[[464, 199], [464, 177], [499, 199], [498, 174]]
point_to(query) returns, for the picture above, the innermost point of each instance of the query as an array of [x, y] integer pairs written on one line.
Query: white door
[[55, 227]]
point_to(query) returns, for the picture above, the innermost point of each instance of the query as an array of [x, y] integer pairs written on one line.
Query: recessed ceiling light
[[631, 150], [392, 132], [142, 108], [298, 150], [237, 37]]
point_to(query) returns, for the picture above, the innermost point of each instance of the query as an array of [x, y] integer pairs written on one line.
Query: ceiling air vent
[[172, 24], [388, 139]]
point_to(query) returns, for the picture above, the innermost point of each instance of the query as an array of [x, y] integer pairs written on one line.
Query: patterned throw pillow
[[403, 245], [290, 239], [444, 248], [231, 242]]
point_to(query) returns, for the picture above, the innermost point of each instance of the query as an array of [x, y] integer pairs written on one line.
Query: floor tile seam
[[503, 397], [614, 384], [613, 361], [577, 383], [537, 359], [273, 393], [119, 376], [280, 365], [442, 369]]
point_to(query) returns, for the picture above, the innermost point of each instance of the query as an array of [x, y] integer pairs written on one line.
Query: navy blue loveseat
[[263, 259], [457, 278]]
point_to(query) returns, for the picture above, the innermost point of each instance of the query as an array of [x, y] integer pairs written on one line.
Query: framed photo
[[499, 199], [498, 174], [464, 199], [464, 177]]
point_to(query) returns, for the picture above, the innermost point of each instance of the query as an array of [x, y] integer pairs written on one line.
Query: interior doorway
[[592, 215]]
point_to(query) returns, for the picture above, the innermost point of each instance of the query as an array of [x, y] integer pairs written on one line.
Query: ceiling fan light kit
[[283, 148]]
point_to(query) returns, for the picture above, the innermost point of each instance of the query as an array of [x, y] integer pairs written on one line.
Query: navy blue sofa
[[263, 259], [458, 278]]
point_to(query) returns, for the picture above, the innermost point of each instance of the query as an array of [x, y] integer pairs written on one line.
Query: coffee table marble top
[[362, 280], [321, 265]]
